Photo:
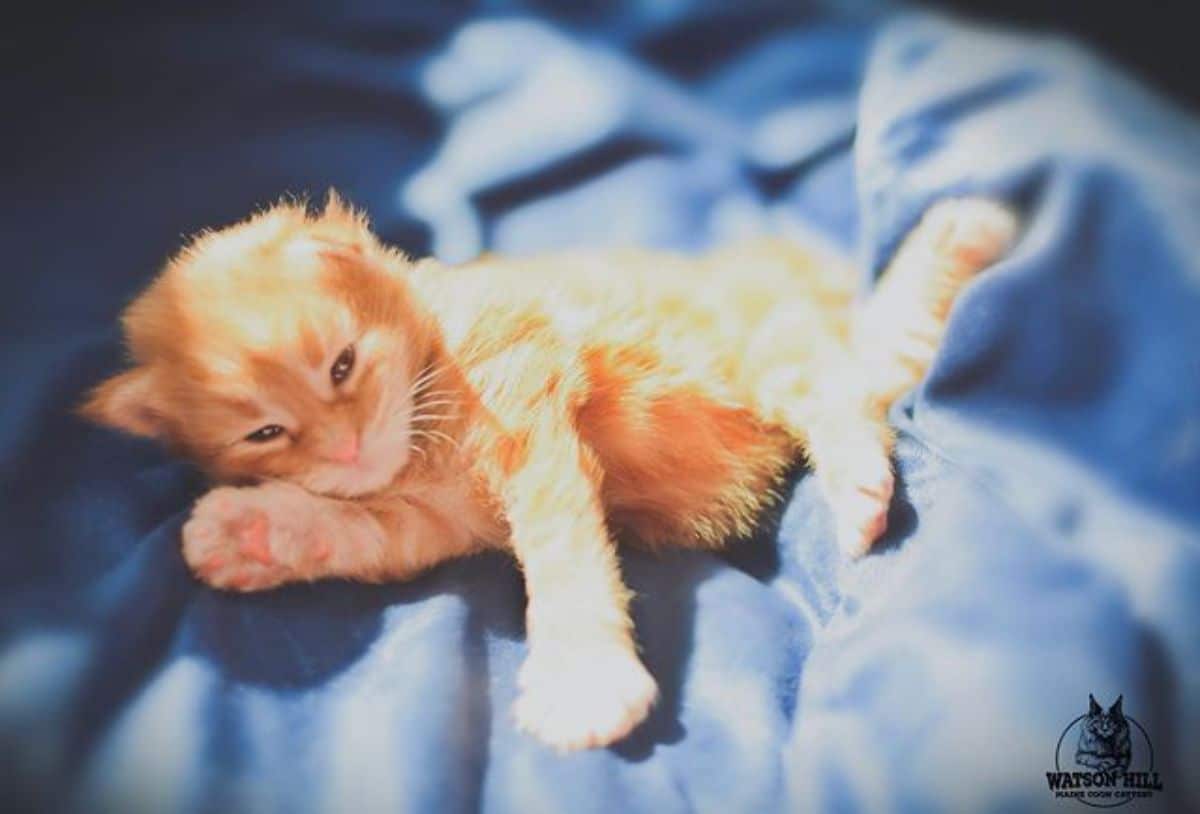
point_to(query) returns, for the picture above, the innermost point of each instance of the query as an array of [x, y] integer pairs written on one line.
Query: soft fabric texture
[[1045, 543]]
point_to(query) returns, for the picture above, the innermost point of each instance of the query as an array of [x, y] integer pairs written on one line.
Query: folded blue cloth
[[1044, 544]]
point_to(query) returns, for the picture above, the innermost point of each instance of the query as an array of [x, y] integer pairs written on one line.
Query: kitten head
[[287, 346]]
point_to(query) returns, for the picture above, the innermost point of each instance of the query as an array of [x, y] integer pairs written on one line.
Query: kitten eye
[[263, 434], [342, 365]]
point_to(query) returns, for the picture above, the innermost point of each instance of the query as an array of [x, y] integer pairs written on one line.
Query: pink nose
[[344, 450]]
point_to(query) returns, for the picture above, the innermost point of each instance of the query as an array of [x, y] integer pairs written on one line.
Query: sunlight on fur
[[370, 417]]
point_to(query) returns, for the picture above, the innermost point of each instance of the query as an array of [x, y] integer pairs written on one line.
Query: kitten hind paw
[[859, 497], [860, 515], [583, 697], [971, 232]]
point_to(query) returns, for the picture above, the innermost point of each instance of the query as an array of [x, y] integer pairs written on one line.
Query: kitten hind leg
[[897, 332], [835, 401], [849, 449], [894, 339], [850, 452], [812, 387]]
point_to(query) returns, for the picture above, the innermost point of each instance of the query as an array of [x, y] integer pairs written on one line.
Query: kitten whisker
[[434, 435], [426, 415], [417, 385], [427, 370], [421, 397], [444, 437], [434, 417], [432, 368], [427, 377], [416, 389], [421, 411]]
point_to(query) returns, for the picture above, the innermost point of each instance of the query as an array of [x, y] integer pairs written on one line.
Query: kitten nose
[[343, 450]]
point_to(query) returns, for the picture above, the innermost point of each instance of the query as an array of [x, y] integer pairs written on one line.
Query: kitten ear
[[341, 229], [1115, 709], [129, 402], [337, 210], [344, 221], [1093, 707]]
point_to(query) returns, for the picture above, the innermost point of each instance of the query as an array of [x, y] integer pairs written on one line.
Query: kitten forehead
[[265, 387], [262, 296], [298, 353], [300, 326], [267, 255], [228, 339], [264, 232], [280, 282]]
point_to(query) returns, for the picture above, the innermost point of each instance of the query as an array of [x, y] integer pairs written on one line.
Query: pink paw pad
[[875, 527], [881, 491], [241, 581], [322, 551], [861, 512], [253, 534]]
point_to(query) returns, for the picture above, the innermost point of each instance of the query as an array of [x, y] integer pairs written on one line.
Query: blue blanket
[[1044, 544]]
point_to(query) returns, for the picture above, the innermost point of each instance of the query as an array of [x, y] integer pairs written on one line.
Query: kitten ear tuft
[[128, 402], [343, 226], [1115, 709], [1093, 707], [338, 211]]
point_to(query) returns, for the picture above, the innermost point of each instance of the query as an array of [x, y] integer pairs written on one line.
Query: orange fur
[[536, 404]]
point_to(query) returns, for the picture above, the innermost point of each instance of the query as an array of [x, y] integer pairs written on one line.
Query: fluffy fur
[[541, 405]]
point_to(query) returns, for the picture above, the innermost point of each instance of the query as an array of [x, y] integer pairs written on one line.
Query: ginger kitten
[[374, 416]]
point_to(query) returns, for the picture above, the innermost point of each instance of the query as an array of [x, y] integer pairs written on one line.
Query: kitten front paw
[[583, 696], [238, 540]]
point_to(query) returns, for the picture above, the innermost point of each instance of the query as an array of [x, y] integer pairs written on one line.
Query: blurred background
[[299, 98], [1044, 543]]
